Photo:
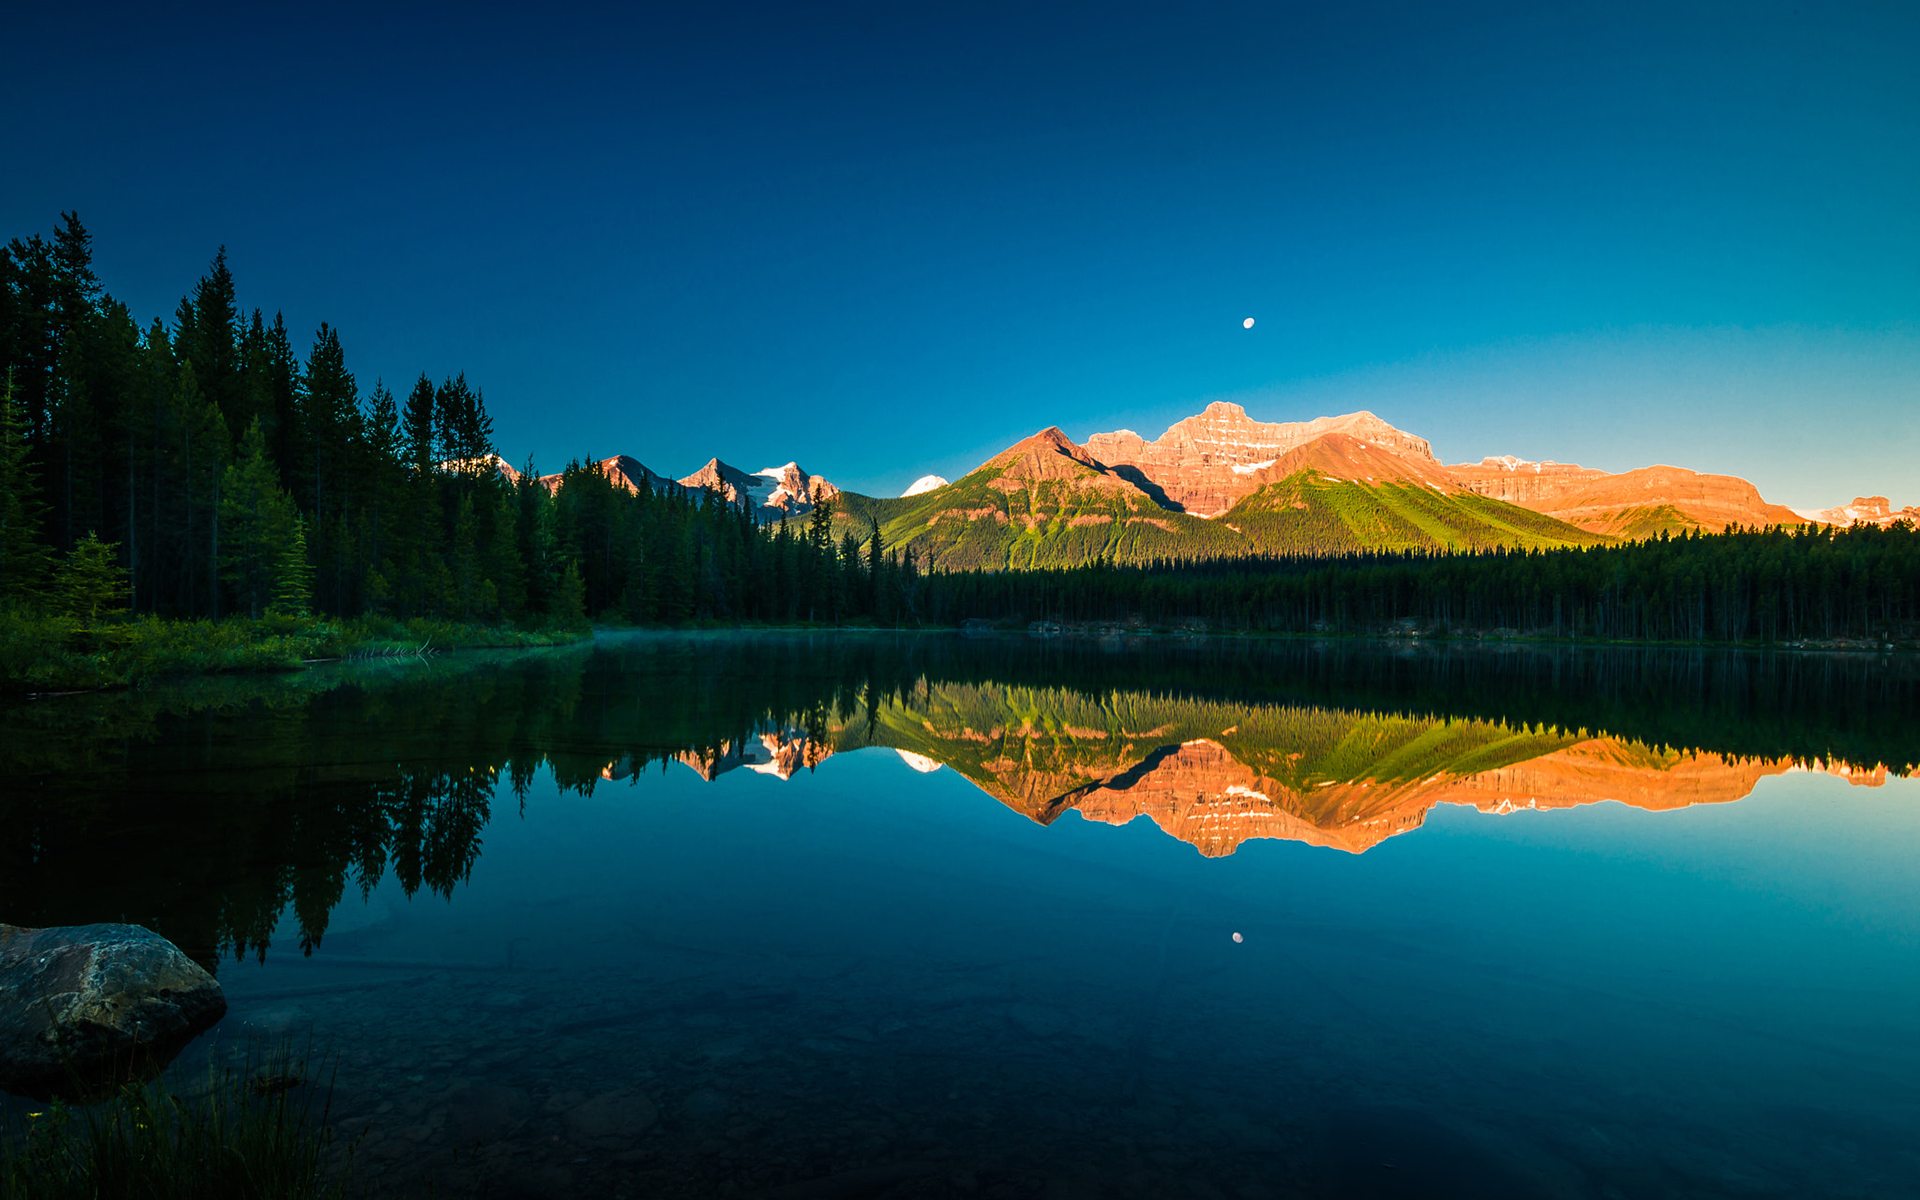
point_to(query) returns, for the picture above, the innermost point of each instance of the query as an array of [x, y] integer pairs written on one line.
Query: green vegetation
[[1309, 514], [199, 472], [1038, 747], [1651, 520], [1758, 585], [63, 651], [247, 1133], [973, 524], [334, 516]]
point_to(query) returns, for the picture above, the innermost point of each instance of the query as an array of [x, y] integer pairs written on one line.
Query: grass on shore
[[49, 653], [257, 1131]]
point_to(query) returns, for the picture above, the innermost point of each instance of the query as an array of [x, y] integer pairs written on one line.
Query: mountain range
[[1220, 484], [1215, 775]]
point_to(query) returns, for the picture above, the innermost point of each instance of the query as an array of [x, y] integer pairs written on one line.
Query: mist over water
[[891, 916]]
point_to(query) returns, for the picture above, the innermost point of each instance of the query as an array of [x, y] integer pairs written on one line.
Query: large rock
[[82, 1006]]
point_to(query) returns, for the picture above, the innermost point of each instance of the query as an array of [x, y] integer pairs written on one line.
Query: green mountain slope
[[1310, 513], [1041, 503], [1046, 503]]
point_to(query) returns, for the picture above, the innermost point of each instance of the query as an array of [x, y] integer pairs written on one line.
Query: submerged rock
[[613, 1120], [83, 1006]]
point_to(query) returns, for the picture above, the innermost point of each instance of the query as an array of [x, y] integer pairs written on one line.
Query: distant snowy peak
[[790, 489], [922, 485]]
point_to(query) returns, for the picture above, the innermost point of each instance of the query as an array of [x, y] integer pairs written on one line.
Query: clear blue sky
[[890, 239]]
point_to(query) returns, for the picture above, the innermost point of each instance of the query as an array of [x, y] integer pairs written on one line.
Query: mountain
[[785, 490], [1865, 510], [1204, 464], [1207, 463], [1041, 502], [1337, 493], [776, 491], [792, 490], [1633, 504], [624, 470], [1220, 484], [1048, 502], [1215, 774]]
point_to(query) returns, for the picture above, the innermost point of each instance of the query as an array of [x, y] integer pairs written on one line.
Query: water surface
[[895, 916]]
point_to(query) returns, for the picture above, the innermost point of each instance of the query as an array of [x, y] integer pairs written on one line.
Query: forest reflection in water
[[210, 810]]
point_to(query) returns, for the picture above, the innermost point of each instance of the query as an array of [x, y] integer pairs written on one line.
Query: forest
[[203, 468], [202, 471], [1771, 585]]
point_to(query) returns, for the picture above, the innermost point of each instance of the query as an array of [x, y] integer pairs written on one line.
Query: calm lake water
[[876, 916]]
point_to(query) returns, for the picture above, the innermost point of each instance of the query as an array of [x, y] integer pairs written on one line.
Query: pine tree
[[417, 435], [23, 560], [876, 561], [386, 481], [281, 385], [90, 583], [570, 601], [293, 575], [209, 335], [257, 522]]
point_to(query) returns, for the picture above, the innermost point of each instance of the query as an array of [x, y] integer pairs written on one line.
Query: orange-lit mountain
[[776, 491], [1346, 458], [1631, 504], [1221, 484], [1208, 461], [1215, 775], [1865, 510], [1203, 796], [786, 490]]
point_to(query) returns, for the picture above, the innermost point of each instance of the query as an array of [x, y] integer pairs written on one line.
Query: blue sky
[[890, 239]]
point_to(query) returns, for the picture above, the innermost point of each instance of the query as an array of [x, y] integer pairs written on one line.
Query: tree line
[[201, 468], [1775, 584]]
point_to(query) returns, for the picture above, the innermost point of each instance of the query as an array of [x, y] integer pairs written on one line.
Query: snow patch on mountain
[[923, 485]]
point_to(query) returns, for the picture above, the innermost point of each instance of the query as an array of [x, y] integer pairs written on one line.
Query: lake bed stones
[[84, 1007], [612, 1121]]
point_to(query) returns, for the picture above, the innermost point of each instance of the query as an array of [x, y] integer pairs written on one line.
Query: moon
[[1238, 938], [1247, 324]]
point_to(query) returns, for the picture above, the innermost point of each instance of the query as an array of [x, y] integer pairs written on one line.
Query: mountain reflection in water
[[1214, 775], [670, 977], [209, 809]]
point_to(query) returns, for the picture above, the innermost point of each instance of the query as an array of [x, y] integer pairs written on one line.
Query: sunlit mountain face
[[1216, 774], [215, 808]]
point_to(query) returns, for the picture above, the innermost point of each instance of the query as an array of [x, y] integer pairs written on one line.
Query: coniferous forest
[[211, 467]]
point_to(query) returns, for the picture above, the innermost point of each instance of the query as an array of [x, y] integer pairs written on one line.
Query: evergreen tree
[[418, 425], [23, 559], [90, 583], [257, 521], [208, 334], [293, 575], [280, 385], [570, 601]]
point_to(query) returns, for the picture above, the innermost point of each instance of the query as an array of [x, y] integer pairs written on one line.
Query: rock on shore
[[82, 1006]]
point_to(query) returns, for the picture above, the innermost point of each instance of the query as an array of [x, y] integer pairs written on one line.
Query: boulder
[[85, 1006]]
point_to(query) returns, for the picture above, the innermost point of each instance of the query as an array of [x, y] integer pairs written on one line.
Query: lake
[[885, 916]]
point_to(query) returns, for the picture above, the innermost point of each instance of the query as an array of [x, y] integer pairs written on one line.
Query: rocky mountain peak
[[1049, 454], [1206, 462]]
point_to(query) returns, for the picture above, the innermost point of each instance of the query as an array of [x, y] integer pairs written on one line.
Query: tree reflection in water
[[211, 809]]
